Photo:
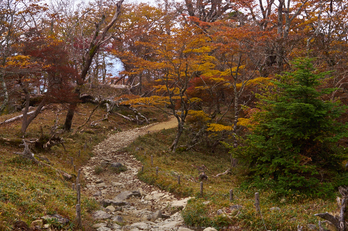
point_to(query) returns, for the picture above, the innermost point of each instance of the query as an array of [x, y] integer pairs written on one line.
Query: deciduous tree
[[99, 37]]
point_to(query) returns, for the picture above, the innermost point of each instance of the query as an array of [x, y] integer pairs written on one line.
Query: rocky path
[[128, 203]]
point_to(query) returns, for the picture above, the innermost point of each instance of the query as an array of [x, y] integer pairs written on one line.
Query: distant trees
[[41, 68], [46, 53], [16, 18]]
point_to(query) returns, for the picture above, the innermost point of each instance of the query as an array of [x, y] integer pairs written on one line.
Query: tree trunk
[[100, 37], [178, 134], [69, 116], [4, 87], [26, 121]]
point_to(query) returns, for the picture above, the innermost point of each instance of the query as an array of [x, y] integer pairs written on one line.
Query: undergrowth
[[214, 208]]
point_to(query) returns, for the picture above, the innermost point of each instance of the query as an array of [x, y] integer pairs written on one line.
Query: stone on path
[[100, 215], [107, 202], [104, 229], [118, 219], [156, 215], [126, 195], [57, 217], [209, 229], [171, 225], [98, 225], [184, 229], [140, 225], [180, 204], [110, 208], [115, 226]]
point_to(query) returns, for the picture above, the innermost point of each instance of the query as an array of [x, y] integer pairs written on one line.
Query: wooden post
[[142, 168], [78, 206], [201, 188], [178, 179], [231, 195], [151, 160], [78, 215], [72, 161], [156, 171], [79, 153], [78, 189], [257, 202], [74, 168], [78, 177], [73, 186]]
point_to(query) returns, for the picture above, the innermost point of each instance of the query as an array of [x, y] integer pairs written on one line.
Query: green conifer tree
[[294, 146]]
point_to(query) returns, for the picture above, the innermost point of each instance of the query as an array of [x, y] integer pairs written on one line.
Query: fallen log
[[124, 117], [18, 117], [223, 173], [338, 221], [29, 155]]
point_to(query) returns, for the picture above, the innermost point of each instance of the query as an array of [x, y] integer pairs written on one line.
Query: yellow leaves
[[195, 100], [202, 87], [256, 81], [213, 127], [205, 67], [157, 101], [245, 122], [259, 80], [203, 49], [19, 61], [147, 101], [232, 71], [163, 88], [194, 115]]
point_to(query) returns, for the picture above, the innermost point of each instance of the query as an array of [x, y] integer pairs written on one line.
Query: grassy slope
[[29, 191], [216, 189]]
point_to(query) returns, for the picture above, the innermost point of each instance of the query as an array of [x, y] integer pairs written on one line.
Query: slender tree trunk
[[27, 120], [234, 161], [178, 134], [4, 87]]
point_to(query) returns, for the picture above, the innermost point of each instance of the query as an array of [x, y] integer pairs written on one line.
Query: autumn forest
[[264, 81]]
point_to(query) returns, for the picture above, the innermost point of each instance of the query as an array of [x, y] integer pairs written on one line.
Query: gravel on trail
[[129, 204]]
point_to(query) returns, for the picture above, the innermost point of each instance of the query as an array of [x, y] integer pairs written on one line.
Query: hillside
[[28, 191]]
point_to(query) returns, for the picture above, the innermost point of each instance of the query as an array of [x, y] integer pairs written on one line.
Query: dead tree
[[29, 155], [338, 221]]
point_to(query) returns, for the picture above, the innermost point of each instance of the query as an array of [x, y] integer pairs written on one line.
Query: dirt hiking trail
[[128, 203]]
